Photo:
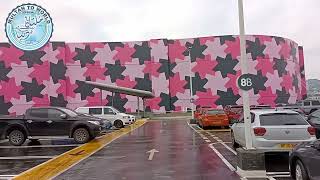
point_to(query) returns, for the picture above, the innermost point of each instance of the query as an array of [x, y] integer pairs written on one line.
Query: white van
[[117, 118]]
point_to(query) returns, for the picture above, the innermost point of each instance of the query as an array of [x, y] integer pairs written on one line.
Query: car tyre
[[81, 135], [300, 172], [17, 137], [235, 145], [118, 124]]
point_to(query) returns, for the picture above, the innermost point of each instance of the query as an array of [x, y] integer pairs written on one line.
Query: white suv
[[117, 118], [274, 130]]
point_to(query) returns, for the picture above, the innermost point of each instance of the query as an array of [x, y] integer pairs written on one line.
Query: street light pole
[[190, 79], [244, 70]]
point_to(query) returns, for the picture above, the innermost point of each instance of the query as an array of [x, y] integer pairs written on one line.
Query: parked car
[[213, 117], [117, 118], [199, 111], [274, 130], [305, 161], [308, 106], [49, 121], [314, 120], [234, 112]]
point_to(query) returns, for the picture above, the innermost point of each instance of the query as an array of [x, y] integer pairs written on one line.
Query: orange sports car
[[213, 117]]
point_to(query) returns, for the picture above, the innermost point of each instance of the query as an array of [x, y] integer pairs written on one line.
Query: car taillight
[[312, 130], [259, 131]]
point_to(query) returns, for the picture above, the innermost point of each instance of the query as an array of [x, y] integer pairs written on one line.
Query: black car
[[305, 161], [49, 121], [314, 120]]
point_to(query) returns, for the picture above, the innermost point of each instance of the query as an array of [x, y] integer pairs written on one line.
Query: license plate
[[287, 146]]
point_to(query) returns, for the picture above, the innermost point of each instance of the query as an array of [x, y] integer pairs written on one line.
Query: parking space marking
[[39, 146], [63, 162], [225, 161], [27, 157]]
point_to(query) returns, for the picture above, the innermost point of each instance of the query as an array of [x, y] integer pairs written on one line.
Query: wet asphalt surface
[[183, 153]]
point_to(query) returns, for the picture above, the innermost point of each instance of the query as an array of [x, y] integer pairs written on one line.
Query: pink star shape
[[10, 89], [287, 82], [267, 97], [124, 54], [265, 65], [41, 72], [205, 66], [152, 68], [176, 50], [126, 82], [206, 98], [177, 84], [233, 47], [10, 55], [95, 71]]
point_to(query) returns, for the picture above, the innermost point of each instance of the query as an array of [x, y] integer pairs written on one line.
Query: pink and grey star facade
[[53, 75]]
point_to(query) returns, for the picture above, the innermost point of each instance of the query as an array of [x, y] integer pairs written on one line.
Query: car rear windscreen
[[216, 111], [282, 119]]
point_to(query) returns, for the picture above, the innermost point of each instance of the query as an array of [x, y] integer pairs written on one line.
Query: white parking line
[[39, 146], [229, 148], [224, 160], [26, 157]]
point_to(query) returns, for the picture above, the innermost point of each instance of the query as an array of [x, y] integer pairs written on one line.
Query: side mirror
[[234, 121], [63, 116], [114, 113]]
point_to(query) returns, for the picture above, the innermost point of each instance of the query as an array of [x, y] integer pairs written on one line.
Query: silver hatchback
[[274, 130]]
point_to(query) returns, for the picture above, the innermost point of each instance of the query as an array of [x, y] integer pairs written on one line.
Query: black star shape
[[113, 45], [166, 42], [32, 89], [58, 101], [32, 57], [227, 98], [6, 45], [226, 65], [4, 71], [84, 89], [279, 40], [4, 107], [166, 67], [255, 48], [167, 101], [55, 45], [195, 50], [295, 82], [282, 97], [58, 71], [84, 56], [143, 52], [280, 65], [259, 81], [223, 39], [118, 102], [114, 71], [197, 83], [143, 83]]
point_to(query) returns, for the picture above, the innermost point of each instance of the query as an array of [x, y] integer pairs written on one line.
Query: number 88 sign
[[246, 82]]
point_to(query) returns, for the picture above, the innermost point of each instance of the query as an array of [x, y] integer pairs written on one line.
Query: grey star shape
[[167, 101], [114, 71], [195, 50], [58, 101], [143, 52], [226, 65], [227, 98], [166, 67], [118, 102], [280, 65], [84, 89], [32, 89], [85, 56], [259, 81], [58, 71], [255, 48], [197, 83], [223, 39], [4, 106], [32, 57], [143, 83], [282, 97]]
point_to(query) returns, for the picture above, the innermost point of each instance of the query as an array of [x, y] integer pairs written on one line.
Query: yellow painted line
[[63, 162]]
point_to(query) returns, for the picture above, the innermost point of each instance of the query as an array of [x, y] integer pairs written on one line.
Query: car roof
[[272, 111], [95, 107]]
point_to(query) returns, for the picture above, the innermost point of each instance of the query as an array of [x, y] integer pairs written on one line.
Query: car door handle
[[29, 121], [49, 121]]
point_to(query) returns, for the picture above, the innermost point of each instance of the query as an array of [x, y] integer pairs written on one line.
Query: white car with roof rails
[[117, 118], [273, 130]]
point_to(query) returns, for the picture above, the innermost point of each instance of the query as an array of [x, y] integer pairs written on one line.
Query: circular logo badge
[[29, 27], [246, 82]]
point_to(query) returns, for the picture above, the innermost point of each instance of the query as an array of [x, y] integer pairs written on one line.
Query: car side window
[[306, 103], [316, 114], [108, 111], [39, 113], [95, 111], [252, 117], [315, 103], [54, 113]]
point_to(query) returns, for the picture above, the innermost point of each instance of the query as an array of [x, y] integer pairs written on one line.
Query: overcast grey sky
[[129, 20]]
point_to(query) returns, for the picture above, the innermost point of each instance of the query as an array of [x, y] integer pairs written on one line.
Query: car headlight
[[126, 117], [95, 122]]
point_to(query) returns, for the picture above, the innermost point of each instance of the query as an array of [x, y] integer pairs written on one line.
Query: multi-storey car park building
[[53, 75]]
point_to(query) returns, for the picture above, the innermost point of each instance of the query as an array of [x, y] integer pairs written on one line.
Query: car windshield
[[275, 119], [115, 110], [215, 111], [69, 112]]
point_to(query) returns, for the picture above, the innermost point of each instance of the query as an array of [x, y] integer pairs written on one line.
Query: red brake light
[[312, 130], [259, 131]]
